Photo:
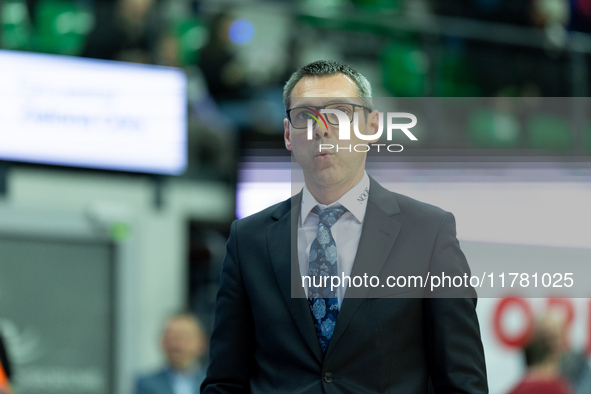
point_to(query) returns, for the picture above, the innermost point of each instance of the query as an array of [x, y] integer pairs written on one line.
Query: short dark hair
[[539, 348], [326, 68]]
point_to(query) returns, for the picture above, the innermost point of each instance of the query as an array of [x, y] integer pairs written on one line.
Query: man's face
[[182, 342], [328, 168]]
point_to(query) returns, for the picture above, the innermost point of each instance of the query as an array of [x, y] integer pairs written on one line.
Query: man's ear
[[286, 134], [373, 124]]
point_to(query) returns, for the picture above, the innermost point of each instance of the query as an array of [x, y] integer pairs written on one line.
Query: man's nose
[[321, 130]]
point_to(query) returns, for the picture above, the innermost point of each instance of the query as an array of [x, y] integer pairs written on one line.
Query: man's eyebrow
[[340, 100], [327, 102]]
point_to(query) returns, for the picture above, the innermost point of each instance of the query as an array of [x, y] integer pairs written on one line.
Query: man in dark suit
[[184, 343], [276, 333]]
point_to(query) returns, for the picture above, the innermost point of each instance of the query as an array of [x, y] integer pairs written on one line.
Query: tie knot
[[329, 216]]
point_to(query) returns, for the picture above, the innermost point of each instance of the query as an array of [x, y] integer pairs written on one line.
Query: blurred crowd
[[237, 54]]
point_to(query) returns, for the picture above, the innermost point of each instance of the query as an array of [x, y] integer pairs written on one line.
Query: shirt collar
[[355, 200]]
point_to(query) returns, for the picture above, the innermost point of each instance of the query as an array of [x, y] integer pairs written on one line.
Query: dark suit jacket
[[160, 382], [264, 339]]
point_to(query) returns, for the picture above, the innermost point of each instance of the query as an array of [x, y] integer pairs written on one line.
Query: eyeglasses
[[299, 116]]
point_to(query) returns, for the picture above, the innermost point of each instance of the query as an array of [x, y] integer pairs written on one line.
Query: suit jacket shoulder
[[252, 230], [275, 211], [400, 203]]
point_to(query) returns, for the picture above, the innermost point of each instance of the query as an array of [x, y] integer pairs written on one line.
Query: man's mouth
[[324, 155]]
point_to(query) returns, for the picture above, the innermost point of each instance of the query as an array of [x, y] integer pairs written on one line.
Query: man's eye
[[346, 110], [304, 115]]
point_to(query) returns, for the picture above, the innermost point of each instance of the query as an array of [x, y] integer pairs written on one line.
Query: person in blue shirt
[[184, 343]]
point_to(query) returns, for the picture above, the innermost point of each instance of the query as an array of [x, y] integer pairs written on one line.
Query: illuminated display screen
[[92, 113]]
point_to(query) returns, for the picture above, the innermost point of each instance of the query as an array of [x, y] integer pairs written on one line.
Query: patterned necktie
[[323, 262]]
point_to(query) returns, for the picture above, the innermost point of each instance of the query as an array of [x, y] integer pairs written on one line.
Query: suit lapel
[[380, 229], [282, 236]]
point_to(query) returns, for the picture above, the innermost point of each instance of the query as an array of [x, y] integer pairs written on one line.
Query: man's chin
[[326, 177]]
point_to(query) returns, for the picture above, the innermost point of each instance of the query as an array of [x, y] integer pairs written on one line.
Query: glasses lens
[[347, 109], [299, 117]]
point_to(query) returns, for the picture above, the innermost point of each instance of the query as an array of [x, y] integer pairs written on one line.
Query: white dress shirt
[[346, 231]]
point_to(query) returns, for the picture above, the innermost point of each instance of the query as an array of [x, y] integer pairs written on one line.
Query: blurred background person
[[126, 30], [220, 65], [184, 344], [543, 353], [6, 371]]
